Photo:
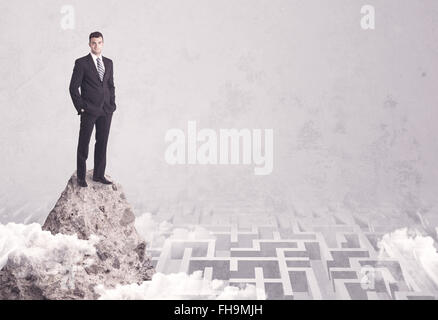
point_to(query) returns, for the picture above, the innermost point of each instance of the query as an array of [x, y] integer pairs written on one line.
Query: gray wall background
[[353, 111]]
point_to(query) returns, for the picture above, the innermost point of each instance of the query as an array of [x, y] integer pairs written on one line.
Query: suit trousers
[[103, 124]]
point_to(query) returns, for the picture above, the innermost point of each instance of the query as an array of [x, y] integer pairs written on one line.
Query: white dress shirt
[[95, 60]]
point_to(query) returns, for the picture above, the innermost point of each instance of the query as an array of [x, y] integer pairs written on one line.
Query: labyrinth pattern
[[288, 256]]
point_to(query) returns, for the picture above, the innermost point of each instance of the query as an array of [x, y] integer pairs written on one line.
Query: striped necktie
[[100, 69]]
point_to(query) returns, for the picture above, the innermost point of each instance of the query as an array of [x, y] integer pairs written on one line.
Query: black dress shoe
[[82, 183], [102, 180]]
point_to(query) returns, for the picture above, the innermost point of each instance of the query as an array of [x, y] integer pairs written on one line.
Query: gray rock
[[120, 258]]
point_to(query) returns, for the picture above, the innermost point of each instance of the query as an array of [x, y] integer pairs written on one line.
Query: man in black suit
[[95, 103]]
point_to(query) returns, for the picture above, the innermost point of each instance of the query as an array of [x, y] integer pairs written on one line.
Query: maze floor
[[288, 256]]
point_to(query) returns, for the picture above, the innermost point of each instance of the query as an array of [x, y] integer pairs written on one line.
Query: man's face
[[96, 45]]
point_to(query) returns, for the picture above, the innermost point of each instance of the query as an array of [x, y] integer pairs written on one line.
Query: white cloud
[[416, 254], [155, 233], [152, 232], [177, 286], [191, 233], [40, 248], [249, 292]]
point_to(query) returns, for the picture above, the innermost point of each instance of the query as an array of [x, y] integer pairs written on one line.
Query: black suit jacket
[[95, 96]]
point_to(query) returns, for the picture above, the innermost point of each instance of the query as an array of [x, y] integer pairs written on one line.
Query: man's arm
[[111, 86], [75, 83]]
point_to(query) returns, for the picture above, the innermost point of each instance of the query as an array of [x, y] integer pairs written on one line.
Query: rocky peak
[[101, 215]]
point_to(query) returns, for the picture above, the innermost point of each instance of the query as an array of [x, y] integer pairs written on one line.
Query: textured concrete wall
[[353, 111]]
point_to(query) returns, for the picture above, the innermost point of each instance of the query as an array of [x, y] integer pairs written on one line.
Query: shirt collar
[[95, 57]]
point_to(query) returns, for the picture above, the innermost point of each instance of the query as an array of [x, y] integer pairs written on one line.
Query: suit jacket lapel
[[105, 65]]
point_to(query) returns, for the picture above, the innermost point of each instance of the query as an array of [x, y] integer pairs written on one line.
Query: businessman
[[95, 103]]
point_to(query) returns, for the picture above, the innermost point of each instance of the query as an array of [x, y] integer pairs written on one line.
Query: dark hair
[[95, 34]]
